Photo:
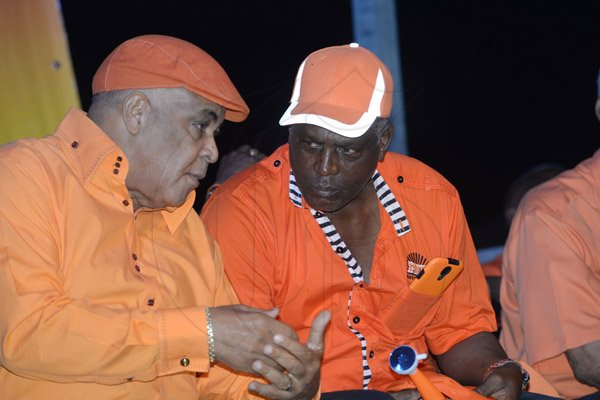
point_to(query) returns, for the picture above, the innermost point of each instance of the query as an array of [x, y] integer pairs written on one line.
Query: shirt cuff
[[183, 341]]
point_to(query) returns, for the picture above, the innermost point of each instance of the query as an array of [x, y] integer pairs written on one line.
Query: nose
[[326, 163], [209, 149]]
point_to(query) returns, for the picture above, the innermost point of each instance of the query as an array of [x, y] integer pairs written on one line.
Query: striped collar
[[385, 195]]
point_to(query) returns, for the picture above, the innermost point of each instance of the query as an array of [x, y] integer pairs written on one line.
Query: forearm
[[585, 362], [69, 341], [467, 361]]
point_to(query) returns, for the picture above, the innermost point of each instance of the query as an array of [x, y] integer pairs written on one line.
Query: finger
[[317, 332], [270, 391], [271, 312], [290, 355], [273, 375], [487, 389]]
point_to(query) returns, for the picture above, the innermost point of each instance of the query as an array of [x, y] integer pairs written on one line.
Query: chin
[[325, 206]]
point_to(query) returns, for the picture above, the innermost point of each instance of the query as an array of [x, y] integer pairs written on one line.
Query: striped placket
[[398, 217]]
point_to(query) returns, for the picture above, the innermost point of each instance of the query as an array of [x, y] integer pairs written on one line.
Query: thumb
[[317, 331]]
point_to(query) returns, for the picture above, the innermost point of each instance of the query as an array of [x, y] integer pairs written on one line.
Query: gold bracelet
[[211, 337]]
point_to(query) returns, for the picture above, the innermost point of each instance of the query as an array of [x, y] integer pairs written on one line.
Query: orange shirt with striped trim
[[99, 301], [276, 254]]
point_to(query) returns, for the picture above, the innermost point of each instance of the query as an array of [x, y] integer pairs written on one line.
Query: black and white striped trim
[[338, 245], [363, 348], [391, 205], [295, 194]]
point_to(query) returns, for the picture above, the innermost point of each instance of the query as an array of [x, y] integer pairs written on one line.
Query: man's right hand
[[241, 333]]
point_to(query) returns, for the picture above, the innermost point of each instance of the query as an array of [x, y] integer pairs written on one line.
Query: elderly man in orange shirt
[[334, 220], [111, 287], [550, 291]]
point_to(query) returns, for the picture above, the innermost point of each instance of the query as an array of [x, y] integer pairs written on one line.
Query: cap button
[[353, 44]]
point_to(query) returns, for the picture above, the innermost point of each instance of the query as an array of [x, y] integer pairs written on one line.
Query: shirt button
[[115, 171], [134, 256], [74, 144], [125, 203], [277, 163], [356, 320], [119, 158], [137, 268], [150, 302], [184, 362], [400, 179], [371, 354]]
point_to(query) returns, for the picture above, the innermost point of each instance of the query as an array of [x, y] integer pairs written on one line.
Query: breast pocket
[[409, 311]]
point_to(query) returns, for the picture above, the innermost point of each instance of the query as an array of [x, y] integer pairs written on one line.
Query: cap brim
[[341, 120]]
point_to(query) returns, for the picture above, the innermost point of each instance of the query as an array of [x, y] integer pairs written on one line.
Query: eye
[[200, 125], [198, 128], [347, 151], [310, 145]]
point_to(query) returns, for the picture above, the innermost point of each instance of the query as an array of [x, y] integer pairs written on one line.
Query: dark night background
[[491, 88]]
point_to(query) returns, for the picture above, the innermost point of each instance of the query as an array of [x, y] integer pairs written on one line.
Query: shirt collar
[[87, 143], [174, 216], [89, 146]]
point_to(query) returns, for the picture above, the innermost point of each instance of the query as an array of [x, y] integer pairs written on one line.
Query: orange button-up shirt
[[98, 301], [279, 252], [550, 291]]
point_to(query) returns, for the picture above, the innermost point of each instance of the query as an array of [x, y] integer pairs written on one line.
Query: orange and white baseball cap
[[342, 89], [159, 61]]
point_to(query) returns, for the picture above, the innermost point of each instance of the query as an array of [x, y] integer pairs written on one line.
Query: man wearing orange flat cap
[[111, 286], [333, 220]]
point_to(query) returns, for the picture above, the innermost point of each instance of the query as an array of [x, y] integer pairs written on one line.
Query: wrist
[[505, 362]]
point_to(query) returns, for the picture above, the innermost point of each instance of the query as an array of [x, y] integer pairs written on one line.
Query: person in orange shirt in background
[[492, 267], [111, 286], [333, 220], [550, 290]]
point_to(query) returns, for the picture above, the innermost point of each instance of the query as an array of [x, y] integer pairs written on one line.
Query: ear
[[597, 108], [135, 112], [385, 139]]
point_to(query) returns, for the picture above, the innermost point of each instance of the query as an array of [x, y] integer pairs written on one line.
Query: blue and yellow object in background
[[37, 81]]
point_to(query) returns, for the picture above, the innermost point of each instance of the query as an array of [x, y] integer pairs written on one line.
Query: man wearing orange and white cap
[[111, 287], [333, 220]]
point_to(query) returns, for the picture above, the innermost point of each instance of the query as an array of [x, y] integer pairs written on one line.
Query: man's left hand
[[302, 364], [503, 383]]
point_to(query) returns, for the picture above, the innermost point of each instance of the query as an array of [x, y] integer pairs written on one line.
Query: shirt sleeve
[[249, 260], [465, 307], [555, 286], [50, 336]]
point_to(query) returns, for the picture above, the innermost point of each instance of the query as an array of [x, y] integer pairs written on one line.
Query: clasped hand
[[252, 340]]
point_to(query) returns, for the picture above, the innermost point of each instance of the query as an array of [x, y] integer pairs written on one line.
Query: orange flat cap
[[342, 89], [158, 61]]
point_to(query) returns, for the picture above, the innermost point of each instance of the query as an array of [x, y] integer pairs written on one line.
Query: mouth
[[197, 178], [325, 192]]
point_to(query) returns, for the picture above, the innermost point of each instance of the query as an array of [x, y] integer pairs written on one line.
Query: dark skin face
[[332, 170]]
